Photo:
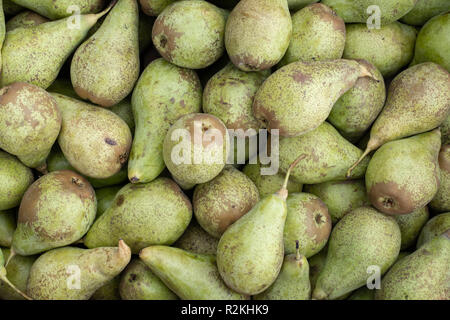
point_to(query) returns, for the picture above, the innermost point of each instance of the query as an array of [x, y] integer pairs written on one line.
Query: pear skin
[[197, 240], [5, 282], [61, 9], [441, 201], [433, 228], [154, 7], [410, 225], [24, 20], [7, 227], [105, 198], [424, 10], [109, 291]]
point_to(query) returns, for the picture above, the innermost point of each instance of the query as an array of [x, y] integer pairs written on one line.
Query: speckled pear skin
[[295, 5], [292, 283], [105, 198], [340, 197], [422, 275], [190, 34], [362, 238], [56, 210], [18, 271], [95, 141], [24, 20], [15, 179], [327, 156], [356, 10], [190, 276], [403, 175], [163, 93], [317, 34], [142, 215], [316, 264], [58, 9], [307, 221], [363, 293], [30, 122], [441, 201], [434, 227], [292, 98], [124, 110], [7, 227], [109, 291], [257, 33], [389, 48], [37, 54], [424, 10], [138, 282], [410, 226], [229, 95], [223, 200], [154, 7], [197, 240], [355, 111], [445, 131], [54, 273], [207, 156], [105, 67], [433, 42]]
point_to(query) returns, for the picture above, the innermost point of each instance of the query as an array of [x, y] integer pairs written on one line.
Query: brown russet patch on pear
[[301, 77], [146, 8], [319, 221], [267, 118], [75, 183], [327, 14], [444, 158], [120, 199], [27, 210], [87, 95], [250, 62], [207, 122], [388, 197], [167, 37]]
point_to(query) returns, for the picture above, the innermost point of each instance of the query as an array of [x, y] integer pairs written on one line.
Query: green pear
[[258, 33], [36, 54], [308, 222], [340, 197], [317, 34], [293, 281], [190, 34], [138, 282], [190, 276], [15, 178], [223, 200], [30, 122], [142, 215], [24, 20], [361, 239], [403, 175], [56, 210], [105, 198], [197, 240], [155, 7], [359, 10], [422, 275], [417, 102], [295, 5], [95, 141], [327, 156], [71, 273], [316, 264], [389, 48], [441, 201], [445, 130], [10, 8], [363, 293], [62, 8], [105, 67], [433, 228], [109, 291], [163, 93], [251, 251], [196, 148], [7, 227], [358, 108], [410, 225], [424, 10], [292, 100], [2, 29], [433, 42]]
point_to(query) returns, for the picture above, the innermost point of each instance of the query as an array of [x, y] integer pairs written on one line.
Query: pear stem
[[283, 192], [297, 250], [12, 254], [350, 170], [6, 280]]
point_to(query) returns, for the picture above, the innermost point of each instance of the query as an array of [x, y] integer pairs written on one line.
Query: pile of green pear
[[349, 99]]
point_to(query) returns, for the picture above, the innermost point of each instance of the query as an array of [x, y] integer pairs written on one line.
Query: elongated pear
[[257, 33], [292, 100], [417, 101], [163, 93], [361, 239], [190, 276], [62, 8], [105, 67], [433, 228], [403, 175], [422, 275], [441, 201], [71, 273], [293, 281], [424, 10], [95, 141], [197, 240], [7, 227], [142, 215], [251, 251], [410, 225], [24, 20], [5, 281]]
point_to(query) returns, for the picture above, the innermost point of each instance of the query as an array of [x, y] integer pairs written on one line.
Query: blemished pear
[[433, 228], [417, 102], [197, 240], [403, 175], [422, 275], [36, 54], [5, 281], [105, 67], [410, 226], [362, 238], [441, 201], [24, 20], [424, 10], [190, 276], [30, 122], [257, 33], [71, 273], [60, 9], [292, 100]]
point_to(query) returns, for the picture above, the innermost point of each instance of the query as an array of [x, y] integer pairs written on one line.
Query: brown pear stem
[[366, 73], [12, 254], [283, 191], [297, 250], [6, 280], [366, 152]]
